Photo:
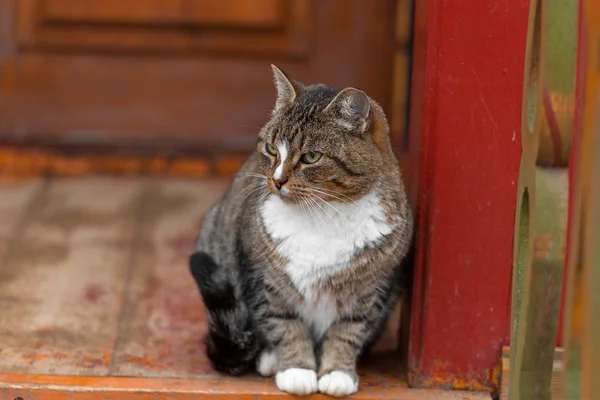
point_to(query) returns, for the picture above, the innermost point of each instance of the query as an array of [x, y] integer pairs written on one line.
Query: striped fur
[[299, 281]]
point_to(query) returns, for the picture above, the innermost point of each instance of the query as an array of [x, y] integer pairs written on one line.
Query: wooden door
[[173, 74]]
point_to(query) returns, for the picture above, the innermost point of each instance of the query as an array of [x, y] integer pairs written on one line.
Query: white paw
[[297, 381], [337, 383], [266, 364]]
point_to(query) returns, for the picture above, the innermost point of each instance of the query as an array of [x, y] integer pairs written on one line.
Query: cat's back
[[221, 224]]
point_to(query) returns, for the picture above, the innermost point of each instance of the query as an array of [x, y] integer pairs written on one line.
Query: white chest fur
[[321, 240]]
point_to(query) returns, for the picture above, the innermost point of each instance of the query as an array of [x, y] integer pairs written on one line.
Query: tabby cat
[[299, 265]]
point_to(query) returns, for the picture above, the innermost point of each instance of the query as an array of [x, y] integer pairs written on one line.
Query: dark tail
[[231, 343]]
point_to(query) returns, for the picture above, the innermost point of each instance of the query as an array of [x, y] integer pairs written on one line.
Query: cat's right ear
[[353, 108], [287, 88]]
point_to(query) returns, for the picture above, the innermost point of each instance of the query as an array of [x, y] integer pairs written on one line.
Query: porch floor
[[96, 300]]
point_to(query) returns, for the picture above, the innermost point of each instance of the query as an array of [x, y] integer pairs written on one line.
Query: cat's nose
[[279, 183]]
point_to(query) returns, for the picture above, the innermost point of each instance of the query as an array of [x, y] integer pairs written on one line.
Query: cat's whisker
[[337, 198], [322, 191], [303, 208], [251, 186], [250, 175], [335, 195], [253, 191], [339, 195], [308, 209], [332, 191], [326, 213], [315, 211], [334, 208], [264, 196], [255, 177]]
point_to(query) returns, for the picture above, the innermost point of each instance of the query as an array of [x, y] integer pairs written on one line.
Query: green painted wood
[[540, 313], [542, 209], [582, 327], [559, 38], [582, 317], [523, 240]]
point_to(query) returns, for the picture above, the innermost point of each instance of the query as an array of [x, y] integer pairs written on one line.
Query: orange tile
[[63, 281], [98, 286], [163, 320], [14, 199]]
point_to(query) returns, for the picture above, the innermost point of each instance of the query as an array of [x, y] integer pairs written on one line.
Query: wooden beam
[[542, 204], [582, 320], [213, 388], [557, 387]]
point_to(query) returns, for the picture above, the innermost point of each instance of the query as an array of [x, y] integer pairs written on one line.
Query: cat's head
[[322, 141]]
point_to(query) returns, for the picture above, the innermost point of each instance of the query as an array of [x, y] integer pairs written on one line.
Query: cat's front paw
[[298, 381], [266, 364], [338, 384]]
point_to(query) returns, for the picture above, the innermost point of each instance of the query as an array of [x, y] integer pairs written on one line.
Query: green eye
[[271, 149], [311, 157]]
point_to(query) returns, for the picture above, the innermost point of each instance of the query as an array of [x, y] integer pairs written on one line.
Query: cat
[[299, 265]]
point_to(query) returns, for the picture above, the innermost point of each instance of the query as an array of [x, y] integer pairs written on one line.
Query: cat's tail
[[231, 342]]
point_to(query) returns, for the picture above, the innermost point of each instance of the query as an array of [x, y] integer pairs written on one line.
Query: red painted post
[[468, 69]]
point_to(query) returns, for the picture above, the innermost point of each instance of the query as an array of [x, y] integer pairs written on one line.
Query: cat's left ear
[[287, 88], [352, 108]]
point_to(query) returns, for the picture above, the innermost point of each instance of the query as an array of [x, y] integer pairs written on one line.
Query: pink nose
[[279, 183]]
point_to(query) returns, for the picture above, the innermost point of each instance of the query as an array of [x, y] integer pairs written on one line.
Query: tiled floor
[[94, 282]]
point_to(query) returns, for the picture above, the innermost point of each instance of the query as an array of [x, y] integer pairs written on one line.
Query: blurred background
[[109, 107], [171, 77]]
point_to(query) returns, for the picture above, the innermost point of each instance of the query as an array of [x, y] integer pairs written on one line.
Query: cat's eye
[[311, 157], [271, 149]]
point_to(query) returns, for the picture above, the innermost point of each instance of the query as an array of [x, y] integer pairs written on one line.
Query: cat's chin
[[288, 199], [286, 196]]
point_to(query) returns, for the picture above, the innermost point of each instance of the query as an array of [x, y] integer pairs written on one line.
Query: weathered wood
[[559, 38], [530, 130], [541, 219], [557, 382], [213, 388], [14, 202], [163, 321], [582, 320], [63, 280], [8, 50], [17, 163], [99, 289], [540, 310], [174, 73]]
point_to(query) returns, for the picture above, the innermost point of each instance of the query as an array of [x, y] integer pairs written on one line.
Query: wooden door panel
[[277, 27], [259, 14], [232, 13], [180, 73], [272, 29], [101, 100], [96, 25], [151, 12]]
